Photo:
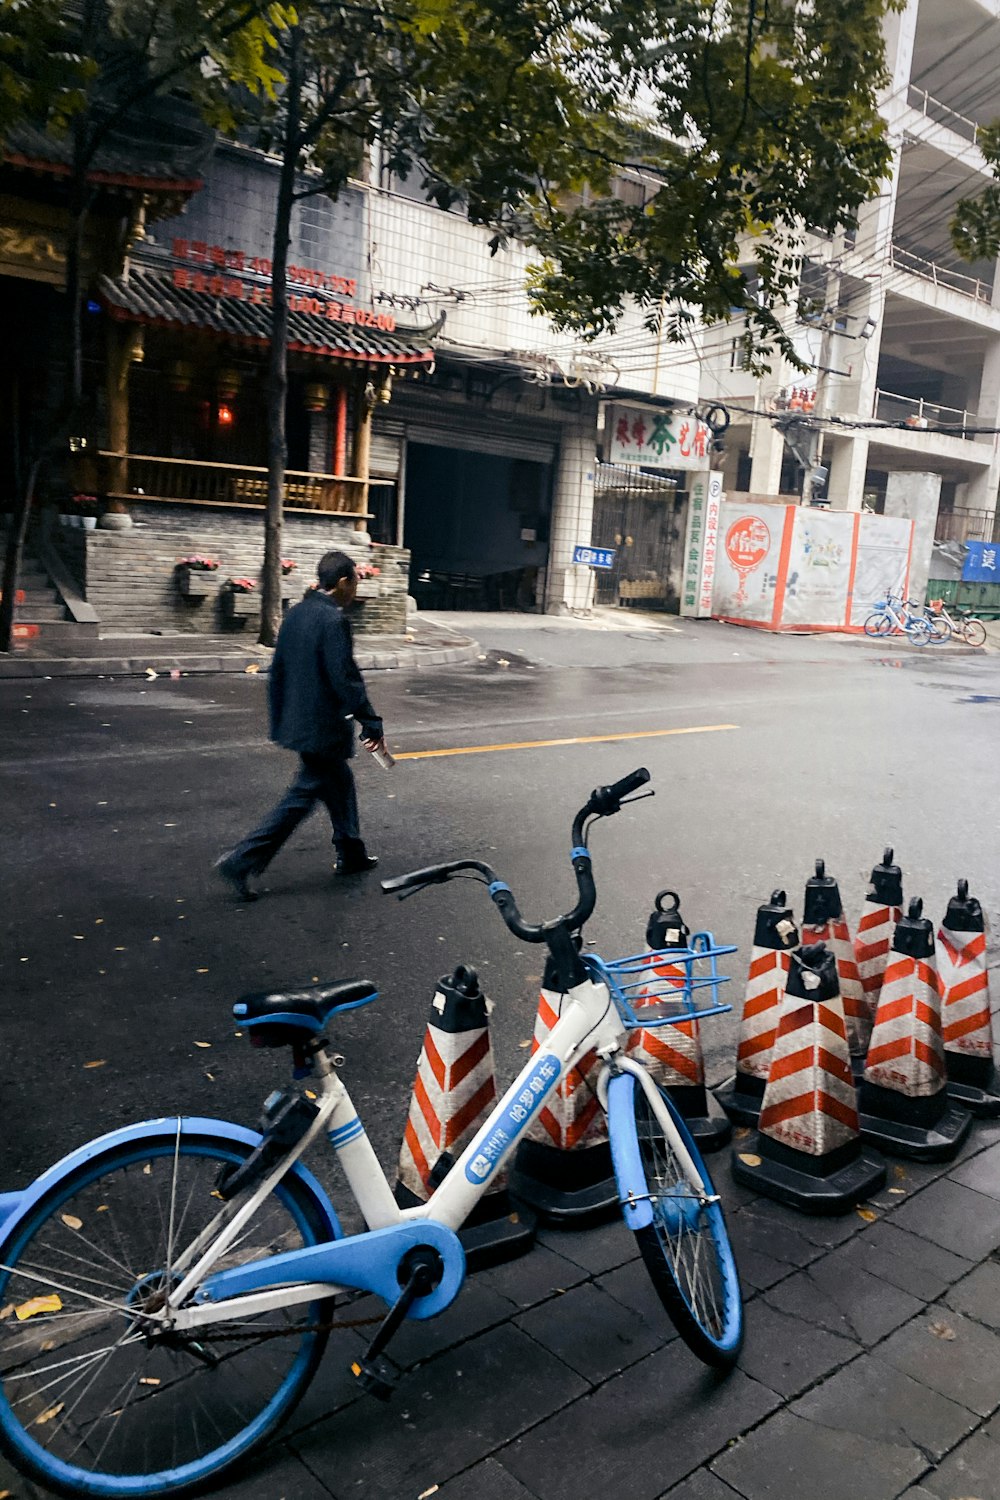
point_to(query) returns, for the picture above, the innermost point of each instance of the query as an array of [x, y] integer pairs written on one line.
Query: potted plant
[[194, 576], [239, 601], [288, 567], [369, 586], [82, 512]]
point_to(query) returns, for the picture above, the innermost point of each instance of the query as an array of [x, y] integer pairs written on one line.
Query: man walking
[[315, 692]]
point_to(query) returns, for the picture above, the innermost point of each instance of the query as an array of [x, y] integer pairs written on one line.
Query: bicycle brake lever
[[640, 798]]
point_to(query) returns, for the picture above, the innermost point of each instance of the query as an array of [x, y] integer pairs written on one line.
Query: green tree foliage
[[975, 227]]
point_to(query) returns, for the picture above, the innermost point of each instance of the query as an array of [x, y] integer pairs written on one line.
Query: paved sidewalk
[[427, 643], [871, 1369]]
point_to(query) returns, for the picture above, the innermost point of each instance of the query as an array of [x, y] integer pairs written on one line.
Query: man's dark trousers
[[321, 778]]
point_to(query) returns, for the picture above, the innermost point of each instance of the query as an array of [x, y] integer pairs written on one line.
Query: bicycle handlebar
[[603, 802]]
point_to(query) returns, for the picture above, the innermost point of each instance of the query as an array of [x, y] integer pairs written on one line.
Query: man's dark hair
[[332, 567]]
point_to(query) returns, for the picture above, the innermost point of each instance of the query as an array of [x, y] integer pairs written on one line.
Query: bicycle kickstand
[[377, 1373]]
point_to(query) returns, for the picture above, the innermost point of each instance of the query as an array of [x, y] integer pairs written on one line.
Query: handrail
[[970, 128], [131, 476], [905, 260], [921, 409], [199, 463]]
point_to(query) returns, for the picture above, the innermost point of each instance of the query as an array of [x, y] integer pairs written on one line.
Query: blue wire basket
[[673, 984]]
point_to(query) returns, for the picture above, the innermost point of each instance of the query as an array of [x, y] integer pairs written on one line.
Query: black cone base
[[711, 1127], [938, 1142], [740, 1097], [802, 1183], [567, 1189], [982, 1102]]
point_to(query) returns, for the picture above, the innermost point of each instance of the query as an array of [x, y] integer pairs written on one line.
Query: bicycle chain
[[296, 1332]]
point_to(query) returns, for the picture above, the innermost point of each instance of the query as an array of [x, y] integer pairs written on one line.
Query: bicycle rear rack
[[666, 985]]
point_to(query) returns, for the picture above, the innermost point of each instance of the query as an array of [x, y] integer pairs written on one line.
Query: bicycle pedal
[[377, 1377]]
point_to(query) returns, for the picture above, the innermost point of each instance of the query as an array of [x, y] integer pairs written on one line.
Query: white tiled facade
[[932, 350]]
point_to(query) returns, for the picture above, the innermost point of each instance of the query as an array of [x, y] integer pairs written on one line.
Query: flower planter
[[238, 606], [195, 583]]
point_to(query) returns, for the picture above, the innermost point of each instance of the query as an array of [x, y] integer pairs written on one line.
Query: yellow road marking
[[580, 739]]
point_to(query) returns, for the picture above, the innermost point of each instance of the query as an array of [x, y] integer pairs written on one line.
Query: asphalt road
[[122, 953]]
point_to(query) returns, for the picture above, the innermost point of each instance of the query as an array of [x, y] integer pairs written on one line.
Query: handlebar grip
[[630, 783]]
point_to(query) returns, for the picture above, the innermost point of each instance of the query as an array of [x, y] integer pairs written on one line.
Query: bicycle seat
[[294, 1015]]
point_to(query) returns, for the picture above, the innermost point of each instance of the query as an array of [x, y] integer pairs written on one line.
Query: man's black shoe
[[355, 861], [235, 877]]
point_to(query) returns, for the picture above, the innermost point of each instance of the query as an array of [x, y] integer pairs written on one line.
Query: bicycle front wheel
[[878, 624], [974, 632], [938, 630], [95, 1402], [685, 1247]]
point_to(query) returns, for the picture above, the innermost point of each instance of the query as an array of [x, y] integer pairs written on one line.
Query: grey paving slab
[[787, 1354], [845, 1298], [702, 1485], [767, 1249], [668, 1414], [982, 1173], [477, 1308], [631, 1286], [978, 1294], [277, 1474], [819, 1231], [955, 1217], [789, 1458], [903, 1259], [596, 1250], [592, 1333], [871, 1399], [444, 1418], [972, 1472], [966, 1368], [533, 1277], [486, 1481]]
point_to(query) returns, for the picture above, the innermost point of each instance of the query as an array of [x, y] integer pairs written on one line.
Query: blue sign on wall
[[595, 557], [981, 564]]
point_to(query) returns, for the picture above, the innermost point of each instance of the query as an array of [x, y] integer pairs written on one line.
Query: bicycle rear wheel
[[91, 1403], [938, 630], [878, 623], [973, 632], [684, 1246]]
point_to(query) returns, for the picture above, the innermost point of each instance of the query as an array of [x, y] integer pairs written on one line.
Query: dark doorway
[[477, 527]]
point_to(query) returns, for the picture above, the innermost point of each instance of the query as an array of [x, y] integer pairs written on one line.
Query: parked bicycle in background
[[895, 615], [962, 624]]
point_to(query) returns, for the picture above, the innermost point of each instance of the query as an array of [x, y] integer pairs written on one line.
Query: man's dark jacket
[[315, 689]]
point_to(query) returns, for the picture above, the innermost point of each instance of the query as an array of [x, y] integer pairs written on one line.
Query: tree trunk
[[277, 374]]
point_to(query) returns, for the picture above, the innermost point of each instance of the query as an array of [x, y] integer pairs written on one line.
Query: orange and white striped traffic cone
[[672, 1053], [807, 1151], [873, 939], [453, 1093], [775, 937], [966, 1023], [823, 922], [563, 1168], [904, 1100]]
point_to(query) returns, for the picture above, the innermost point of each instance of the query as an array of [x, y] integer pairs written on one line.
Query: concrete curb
[[395, 658]]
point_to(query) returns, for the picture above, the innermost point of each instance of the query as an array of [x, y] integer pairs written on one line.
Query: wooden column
[[339, 457], [363, 443], [119, 357]]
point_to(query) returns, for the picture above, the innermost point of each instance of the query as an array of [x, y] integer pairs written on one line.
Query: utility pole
[[824, 367]]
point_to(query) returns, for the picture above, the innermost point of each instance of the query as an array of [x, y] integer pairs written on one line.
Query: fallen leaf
[[203, 1044], [868, 1214], [53, 1411], [152, 674], [501, 662], [749, 1159], [149, 1380], [102, 1208], [252, 666], [742, 1133], [97, 1063], [942, 1331], [5, 1312], [216, 1194], [71, 1221], [154, 940], [309, 1094], [48, 1346], [898, 1192], [201, 971], [210, 1077], [525, 1043], [425, 1493], [899, 1172], [121, 950], [147, 1170], [36, 1305], [98, 921], [79, 937]]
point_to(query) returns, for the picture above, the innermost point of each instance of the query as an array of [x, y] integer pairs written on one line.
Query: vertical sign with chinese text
[[656, 439], [701, 539]]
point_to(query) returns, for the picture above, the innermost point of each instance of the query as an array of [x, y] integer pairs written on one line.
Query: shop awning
[[237, 308]]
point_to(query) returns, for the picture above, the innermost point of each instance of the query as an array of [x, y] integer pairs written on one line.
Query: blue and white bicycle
[[167, 1291]]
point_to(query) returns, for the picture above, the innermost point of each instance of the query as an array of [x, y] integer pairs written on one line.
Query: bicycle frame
[[368, 1261]]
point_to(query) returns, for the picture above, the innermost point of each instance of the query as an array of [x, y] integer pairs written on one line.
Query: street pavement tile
[[596, 1250], [965, 1369], [477, 1307], [845, 1299], [978, 1295], [789, 1457], [820, 1230], [592, 1333], [533, 1277], [631, 1286], [971, 1472], [787, 1354], [767, 1249], [640, 1432], [873, 1400], [443, 1418], [486, 1481], [903, 1259], [982, 1173], [275, 1474], [954, 1217], [702, 1485]]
